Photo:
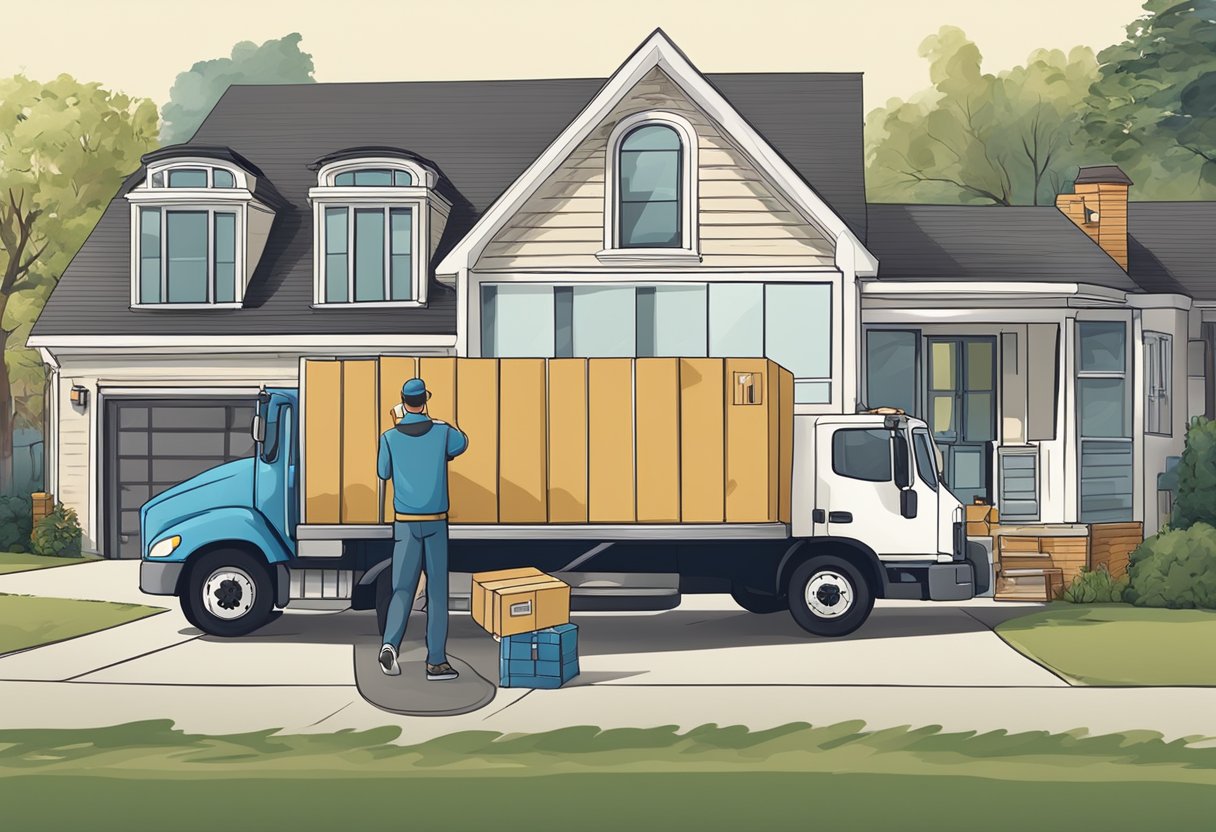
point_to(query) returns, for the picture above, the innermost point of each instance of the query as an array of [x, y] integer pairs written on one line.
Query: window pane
[[736, 320], [1103, 407], [602, 320], [1106, 481], [979, 365], [650, 225], [373, 178], [812, 392], [401, 236], [188, 178], [344, 180], [650, 176], [941, 409], [369, 254], [158, 179], [149, 255], [652, 137], [223, 178], [941, 365], [672, 321], [1102, 346], [402, 178], [225, 257], [926, 460], [798, 328], [967, 474], [186, 247], [563, 317], [979, 419], [891, 369], [862, 454], [335, 255], [517, 321]]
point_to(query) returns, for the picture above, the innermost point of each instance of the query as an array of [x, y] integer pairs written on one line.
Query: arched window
[[650, 208]]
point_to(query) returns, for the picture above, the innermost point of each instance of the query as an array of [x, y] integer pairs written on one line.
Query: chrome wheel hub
[[229, 593], [829, 594]]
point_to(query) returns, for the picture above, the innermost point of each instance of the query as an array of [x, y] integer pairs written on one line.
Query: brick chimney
[[1098, 205]]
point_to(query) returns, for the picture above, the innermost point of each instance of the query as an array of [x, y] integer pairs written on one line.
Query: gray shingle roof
[[976, 243], [480, 134], [1172, 247]]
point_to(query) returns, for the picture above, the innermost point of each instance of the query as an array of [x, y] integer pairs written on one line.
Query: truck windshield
[[926, 460]]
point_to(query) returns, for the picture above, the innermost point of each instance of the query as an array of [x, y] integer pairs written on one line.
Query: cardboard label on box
[[512, 601]]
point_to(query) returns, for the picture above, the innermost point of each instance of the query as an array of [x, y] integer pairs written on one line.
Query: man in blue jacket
[[414, 454]]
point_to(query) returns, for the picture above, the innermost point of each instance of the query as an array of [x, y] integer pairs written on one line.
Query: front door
[[962, 411]]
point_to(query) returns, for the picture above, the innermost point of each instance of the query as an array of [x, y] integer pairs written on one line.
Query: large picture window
[[1104, 422], [368, 254], [186, 256]]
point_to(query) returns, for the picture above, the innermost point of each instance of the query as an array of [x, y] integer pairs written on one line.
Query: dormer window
[[199, 221], [375, 212]]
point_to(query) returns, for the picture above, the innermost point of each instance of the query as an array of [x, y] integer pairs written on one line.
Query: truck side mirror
[[258, 429], [903, 461], [907, 503]]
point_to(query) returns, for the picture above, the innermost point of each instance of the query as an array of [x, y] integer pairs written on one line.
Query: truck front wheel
[[228, 593], [828, 596]]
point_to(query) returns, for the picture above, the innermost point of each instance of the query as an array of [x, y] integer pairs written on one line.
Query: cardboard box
[[511, 601], [545, 658], [980, 518], [1029, 584]]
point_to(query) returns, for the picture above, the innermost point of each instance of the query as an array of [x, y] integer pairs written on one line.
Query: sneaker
[[440, 672], [388, 661]]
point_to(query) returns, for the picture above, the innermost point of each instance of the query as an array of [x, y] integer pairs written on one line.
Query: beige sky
[[139, 46]]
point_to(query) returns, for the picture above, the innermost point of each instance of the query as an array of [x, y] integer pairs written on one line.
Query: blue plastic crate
[[540, 659]]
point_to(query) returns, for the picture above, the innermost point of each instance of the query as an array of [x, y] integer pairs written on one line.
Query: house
[[659, 212]]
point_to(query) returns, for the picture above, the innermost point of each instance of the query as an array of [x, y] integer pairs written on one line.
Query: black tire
[[384, 594], [755, 601], [247, 575], [837, 579]]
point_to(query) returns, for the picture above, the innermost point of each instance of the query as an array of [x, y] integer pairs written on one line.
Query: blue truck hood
[[224, 485]]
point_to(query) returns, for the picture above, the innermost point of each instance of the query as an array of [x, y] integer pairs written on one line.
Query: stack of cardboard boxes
[[528, 612]]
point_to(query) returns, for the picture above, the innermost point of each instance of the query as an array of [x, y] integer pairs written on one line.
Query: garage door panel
[[197, 418], [133, 417], [166, 443]]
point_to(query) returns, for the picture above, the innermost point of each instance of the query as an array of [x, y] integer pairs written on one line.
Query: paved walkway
[[707, 661]]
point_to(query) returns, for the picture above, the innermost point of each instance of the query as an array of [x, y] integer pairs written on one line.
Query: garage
[[152, 444]]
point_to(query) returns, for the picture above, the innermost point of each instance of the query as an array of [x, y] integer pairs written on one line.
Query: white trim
[[1161, 301], [424, 176], [239, 212], [1021, 290], [419, 250], [657, 51], [252, 342], [241, 178], [689, 251]]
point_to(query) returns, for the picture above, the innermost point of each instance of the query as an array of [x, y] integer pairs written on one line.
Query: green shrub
[[58, 533], [16, 523], [1195, 501], [1175, 569], [1095, 587]]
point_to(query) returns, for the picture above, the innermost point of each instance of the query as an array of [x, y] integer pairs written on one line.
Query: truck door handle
[[840, 517]]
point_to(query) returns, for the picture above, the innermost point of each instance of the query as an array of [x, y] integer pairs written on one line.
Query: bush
[[1195, 501], [1095, 587], [16, 523], [1175, 569], [58, 533]]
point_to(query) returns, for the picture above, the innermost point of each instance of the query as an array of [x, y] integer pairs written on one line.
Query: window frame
[[1087, 443], [890, 440], [1159, 397], [163, 209], [689, 248], [240, 179], [387, 258]]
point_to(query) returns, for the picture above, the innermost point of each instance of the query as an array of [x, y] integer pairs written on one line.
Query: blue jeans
[[418, 543]]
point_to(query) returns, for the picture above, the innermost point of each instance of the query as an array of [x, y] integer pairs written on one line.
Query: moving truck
[[643, 478]]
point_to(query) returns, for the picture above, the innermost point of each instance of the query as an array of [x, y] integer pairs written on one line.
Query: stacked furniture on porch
[[1036, 563], [529, 613]]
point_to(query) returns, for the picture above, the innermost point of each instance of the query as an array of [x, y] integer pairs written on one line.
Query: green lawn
[[149, 776], [1118, 644], [28, 621], [18, 562]]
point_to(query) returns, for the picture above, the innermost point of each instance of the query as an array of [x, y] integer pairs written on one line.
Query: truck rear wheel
[[228, 593], [828, 596], [753, 600]]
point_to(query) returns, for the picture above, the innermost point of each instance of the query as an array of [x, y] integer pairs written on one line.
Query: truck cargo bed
[[639, 531]]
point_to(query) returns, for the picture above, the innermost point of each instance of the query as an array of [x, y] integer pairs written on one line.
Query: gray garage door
[[152, 444]]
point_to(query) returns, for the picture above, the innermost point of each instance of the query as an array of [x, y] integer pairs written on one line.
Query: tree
[[195, 92], [1151, 109], [64, 148], [976, 137]]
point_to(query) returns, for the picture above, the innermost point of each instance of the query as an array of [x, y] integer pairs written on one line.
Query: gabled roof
[[977, 243], [1172, 247], [480, 135]]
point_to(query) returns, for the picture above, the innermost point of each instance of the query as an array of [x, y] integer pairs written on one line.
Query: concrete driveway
[[706, 661]]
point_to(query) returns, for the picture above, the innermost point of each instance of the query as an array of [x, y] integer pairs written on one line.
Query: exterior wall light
[[79, 396]]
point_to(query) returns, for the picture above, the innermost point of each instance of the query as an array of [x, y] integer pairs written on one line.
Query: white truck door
[[856, 495]]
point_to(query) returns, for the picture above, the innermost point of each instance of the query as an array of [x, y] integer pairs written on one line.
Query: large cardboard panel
[[657, 382], [360, 442], [610, 441], [568, 440], [523, 436], [395, 370], [785, 462], [473, 476], [439, 373], [748, 473], [702, 440], [322, 454]]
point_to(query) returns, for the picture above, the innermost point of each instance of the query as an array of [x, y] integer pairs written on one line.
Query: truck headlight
[[164, 548]]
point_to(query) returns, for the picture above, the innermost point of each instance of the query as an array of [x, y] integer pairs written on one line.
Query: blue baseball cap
[[414, 388]]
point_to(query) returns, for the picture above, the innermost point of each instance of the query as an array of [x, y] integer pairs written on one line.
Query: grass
[[19, 562], [1118, 644], [150, 776], [28, 621]]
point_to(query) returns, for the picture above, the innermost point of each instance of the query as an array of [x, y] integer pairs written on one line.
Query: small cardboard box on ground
[[512, 601], [980, 518], [545, 658]]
